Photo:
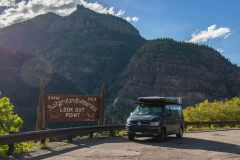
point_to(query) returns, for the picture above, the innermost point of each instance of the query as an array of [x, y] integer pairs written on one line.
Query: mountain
[[77, 53], [50, 31], [82, 42], [84, 48], [165, 67]]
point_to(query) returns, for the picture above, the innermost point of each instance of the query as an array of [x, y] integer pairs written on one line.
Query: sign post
[[101, 118], [40, 123]]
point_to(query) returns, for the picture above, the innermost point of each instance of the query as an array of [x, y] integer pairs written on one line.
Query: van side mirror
[[131, 113]]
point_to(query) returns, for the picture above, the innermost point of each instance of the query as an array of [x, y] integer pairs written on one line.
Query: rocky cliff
[[165, 67]]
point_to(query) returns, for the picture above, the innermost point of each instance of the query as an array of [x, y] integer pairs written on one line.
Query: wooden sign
[[72, 108]]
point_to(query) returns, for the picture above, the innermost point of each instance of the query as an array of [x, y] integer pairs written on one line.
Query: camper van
[[156, 117]]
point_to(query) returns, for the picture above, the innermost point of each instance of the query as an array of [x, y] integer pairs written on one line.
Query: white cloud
[[212, 32], [7, 3], [227, 35], [26, 10], [120, 13], [132, 19], [220, 50]]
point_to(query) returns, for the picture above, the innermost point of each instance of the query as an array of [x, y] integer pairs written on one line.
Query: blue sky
[[214, 22], [179, 19]]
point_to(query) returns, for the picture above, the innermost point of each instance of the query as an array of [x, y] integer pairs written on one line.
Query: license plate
[[138, 133]]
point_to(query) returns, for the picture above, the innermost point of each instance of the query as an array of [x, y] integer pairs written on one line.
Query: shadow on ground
[[172, 142]]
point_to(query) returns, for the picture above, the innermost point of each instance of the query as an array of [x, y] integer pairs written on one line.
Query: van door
[[175, 117], [169, 120]]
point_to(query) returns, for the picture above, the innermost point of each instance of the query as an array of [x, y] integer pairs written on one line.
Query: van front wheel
[[162, 136]]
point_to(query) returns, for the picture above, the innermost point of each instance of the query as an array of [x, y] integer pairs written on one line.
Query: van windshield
[[148, 110]]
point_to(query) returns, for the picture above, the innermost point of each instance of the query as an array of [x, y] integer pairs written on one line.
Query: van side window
[[167, 111], [179, 110], [174, 111]]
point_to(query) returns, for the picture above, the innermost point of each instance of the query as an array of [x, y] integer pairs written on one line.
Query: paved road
[[217, 145]]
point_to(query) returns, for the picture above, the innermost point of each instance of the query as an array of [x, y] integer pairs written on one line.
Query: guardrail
[[213, 122], [10, 139]]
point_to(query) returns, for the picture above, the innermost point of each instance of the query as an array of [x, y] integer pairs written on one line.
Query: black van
[[156, 117]]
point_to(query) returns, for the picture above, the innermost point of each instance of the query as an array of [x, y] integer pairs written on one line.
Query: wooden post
[[11, 147], [43, 140], [40, 123], [101, 110], [70, 138], [91, 135], [43, 124], [101, 116]]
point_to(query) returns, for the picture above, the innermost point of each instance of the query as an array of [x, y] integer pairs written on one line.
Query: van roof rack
[[159, 100]]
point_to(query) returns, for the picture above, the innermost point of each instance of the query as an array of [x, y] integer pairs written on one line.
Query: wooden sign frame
[[43, 110]]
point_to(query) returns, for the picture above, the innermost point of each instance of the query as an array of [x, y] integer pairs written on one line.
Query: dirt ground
[[212, 145]]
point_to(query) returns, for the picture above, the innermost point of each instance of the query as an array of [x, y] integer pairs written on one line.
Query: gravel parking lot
[[212, 145]]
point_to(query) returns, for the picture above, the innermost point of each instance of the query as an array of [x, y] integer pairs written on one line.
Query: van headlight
[[154, 123], [128, 123]]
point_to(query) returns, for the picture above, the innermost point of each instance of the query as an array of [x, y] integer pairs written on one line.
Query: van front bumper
[[143, 131]]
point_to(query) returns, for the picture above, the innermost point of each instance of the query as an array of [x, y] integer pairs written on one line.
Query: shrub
[[228, 110], [10, 122]]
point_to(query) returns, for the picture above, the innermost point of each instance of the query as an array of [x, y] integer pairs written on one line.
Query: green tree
[[9, 122]]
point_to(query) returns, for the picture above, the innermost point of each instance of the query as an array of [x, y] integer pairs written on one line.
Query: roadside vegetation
[[10, 122], [227, 110]]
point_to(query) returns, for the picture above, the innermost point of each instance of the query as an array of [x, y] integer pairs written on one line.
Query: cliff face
[[76, 53], [169, 68]]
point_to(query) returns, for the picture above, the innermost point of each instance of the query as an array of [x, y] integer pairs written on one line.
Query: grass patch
[[120, 133], [19, 148], [82, 137]]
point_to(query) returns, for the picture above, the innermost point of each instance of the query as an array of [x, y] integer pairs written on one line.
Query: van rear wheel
[[180, 132]]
